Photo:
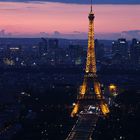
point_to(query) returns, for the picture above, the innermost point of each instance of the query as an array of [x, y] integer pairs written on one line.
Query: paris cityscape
[[69, 70]]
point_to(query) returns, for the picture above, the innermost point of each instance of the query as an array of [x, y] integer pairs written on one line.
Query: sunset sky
[[55, 19]]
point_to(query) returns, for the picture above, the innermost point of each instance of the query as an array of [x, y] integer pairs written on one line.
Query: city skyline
[[60, 20], [69, 70]]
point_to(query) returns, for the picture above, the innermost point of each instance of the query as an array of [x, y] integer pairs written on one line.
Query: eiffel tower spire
[[91, 61], [91, 6]]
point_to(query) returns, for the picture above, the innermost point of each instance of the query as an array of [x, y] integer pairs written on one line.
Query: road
[[84, 127]]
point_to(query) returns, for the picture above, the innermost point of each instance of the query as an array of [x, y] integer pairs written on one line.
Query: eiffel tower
[[90, 92], [90, 100]]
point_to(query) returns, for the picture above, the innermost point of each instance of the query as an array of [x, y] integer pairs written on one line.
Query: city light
[[112, 87]]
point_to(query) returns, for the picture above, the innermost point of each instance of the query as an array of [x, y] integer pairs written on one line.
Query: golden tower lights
[[90, 77], [91, 61]]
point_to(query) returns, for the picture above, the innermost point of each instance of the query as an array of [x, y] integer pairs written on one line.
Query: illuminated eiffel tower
[[90, 91], [90, 100]]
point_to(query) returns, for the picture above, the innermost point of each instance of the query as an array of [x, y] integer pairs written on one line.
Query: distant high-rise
[[53, 43], [120, 47], [13, 52], [99, 50], [43, 46], [135, 52]]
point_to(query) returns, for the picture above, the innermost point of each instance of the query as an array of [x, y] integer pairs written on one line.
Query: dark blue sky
[[84, 1]]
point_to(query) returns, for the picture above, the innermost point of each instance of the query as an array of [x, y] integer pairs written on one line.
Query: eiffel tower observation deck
[[90, 100]]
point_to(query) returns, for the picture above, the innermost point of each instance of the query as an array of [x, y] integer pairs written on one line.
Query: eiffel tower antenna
[[91, 6]]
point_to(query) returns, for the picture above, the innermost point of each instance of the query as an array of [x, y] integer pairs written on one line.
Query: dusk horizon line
[[119, 2]]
